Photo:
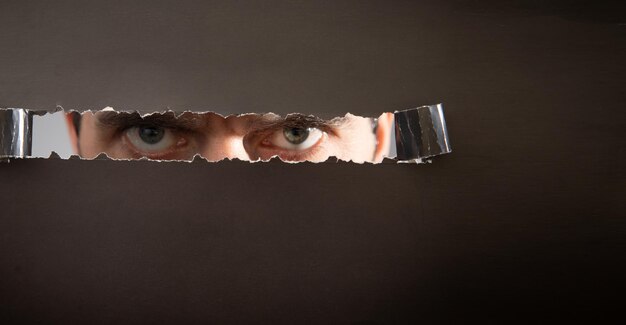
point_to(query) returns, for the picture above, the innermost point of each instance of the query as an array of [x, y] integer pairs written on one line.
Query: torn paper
[[16, 132], [409, 136]]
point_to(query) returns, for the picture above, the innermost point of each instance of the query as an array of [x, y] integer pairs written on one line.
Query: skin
[[246, 137]]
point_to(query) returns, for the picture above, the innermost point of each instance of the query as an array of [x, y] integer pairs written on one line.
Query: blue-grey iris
[[151, 134], [296, 135]]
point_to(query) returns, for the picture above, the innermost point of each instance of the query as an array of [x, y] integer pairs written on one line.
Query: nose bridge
[[235, 147], [237, 127], [227, 139]]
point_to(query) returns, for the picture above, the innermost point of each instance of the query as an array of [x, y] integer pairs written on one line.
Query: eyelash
[[304, 155]]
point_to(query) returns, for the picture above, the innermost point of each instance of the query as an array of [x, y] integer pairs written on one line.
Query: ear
[[383, 136], [73, 131]]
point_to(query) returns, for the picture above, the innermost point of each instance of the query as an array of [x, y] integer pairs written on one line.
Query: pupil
[[151, 134], [296, 135]]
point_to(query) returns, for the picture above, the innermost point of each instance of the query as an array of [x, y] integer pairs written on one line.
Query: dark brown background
[[523, 221]]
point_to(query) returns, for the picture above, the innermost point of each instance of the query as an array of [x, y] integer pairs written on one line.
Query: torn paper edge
[[429, 125]]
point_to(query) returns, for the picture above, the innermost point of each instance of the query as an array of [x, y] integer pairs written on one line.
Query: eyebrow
[[295, 120], [123, 120]]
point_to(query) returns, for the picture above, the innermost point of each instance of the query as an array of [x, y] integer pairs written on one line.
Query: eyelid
[[124, 121], [261, 127]]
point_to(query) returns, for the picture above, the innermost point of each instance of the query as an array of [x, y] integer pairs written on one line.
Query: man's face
[[247, 137]]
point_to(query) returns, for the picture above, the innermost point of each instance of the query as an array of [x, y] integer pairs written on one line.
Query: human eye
[[154, 141], [294, 138], [292, 143], [156, 136]]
